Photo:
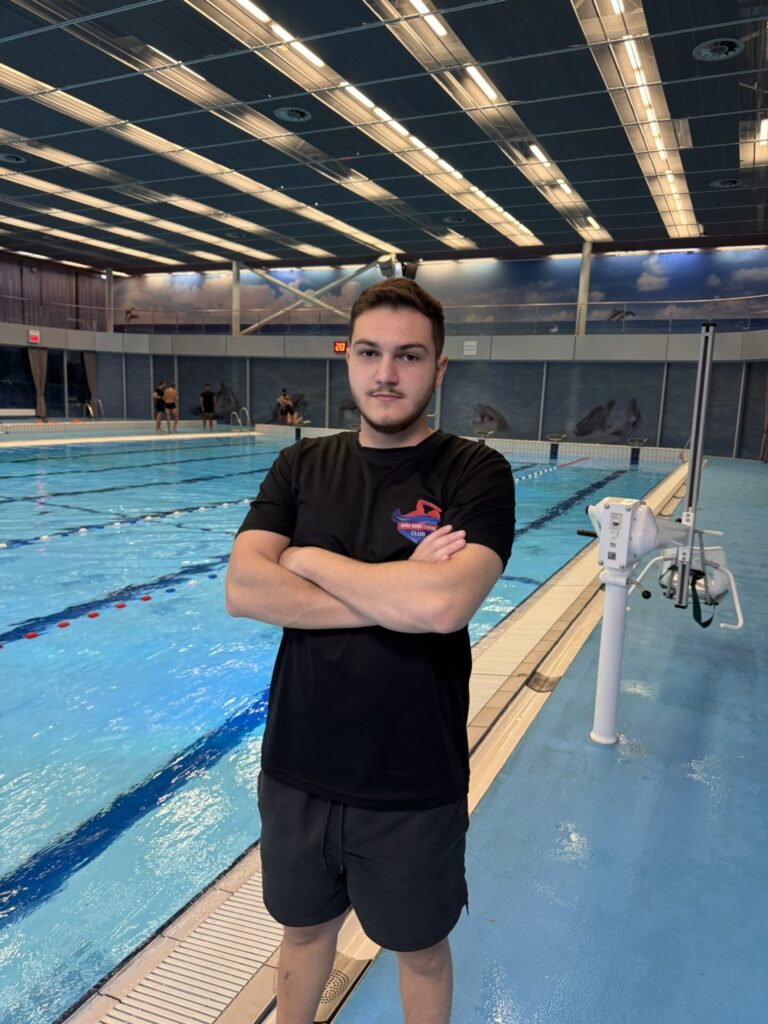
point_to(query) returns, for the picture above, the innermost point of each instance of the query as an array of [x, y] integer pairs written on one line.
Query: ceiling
[[146, 135]]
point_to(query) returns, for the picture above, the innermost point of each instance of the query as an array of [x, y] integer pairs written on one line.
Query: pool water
[[131, 736]]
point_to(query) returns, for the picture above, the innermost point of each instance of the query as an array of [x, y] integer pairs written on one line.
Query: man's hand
[[440, 545]]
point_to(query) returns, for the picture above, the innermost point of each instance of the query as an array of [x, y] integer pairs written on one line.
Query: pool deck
[[629, 884], [217, 961]]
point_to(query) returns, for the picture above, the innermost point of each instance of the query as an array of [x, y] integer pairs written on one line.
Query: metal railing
[[738, 313]]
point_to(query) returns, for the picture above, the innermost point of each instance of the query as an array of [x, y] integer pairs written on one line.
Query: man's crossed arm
[[437, 590]]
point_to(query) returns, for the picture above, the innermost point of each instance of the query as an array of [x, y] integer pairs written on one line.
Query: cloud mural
[[653, 278], [521, 295]]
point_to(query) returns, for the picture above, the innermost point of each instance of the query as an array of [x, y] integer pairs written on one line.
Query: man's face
[[393, 371]]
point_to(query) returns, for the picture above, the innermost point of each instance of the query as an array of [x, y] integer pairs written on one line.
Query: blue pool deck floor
[[629, 884]]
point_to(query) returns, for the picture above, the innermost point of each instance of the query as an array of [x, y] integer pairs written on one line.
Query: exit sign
[[34, 335], [339, 346]]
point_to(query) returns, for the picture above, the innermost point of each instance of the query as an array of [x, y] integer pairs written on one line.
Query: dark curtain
[[11, 307], [31, 289], [57, 297], [38, 362], [91, 298], [89, 362]]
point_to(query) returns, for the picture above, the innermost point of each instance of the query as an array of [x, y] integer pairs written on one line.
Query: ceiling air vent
[[293, 115], [12, 158], [725, 183], [718, 49], [454, 218]]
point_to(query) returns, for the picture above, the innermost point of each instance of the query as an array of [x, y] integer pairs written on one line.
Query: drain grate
[[335, 987]]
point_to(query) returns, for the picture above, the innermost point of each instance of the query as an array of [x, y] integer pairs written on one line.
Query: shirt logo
[[417, 525]]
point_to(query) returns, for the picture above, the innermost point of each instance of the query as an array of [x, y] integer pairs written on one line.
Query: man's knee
[[427, 962], [316, 933]]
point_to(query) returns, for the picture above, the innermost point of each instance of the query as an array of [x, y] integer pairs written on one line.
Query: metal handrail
[[246, 420], [234, 418]]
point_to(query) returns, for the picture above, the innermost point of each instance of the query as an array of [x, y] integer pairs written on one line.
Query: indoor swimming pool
[[133, 706]]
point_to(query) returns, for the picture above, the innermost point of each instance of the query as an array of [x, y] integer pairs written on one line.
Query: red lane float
[[32, 635]]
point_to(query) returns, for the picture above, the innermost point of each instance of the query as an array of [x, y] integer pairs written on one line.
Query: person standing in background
[[285, 408], [157, 394], [207, 405], [171, 399]]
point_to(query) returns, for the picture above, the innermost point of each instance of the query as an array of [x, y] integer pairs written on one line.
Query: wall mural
[[648, 291]]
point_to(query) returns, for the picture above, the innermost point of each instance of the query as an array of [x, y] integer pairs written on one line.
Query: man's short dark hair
[[402, 293]]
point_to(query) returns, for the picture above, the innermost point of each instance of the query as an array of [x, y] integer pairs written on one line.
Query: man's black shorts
[[402, 871]]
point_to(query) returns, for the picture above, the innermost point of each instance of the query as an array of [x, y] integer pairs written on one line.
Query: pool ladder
[[97, 409], [241, 419]]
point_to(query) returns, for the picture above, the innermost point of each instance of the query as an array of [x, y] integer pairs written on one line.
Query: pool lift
[[628, 530]]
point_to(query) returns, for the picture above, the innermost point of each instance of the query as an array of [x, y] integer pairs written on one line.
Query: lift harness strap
[[696, 575]]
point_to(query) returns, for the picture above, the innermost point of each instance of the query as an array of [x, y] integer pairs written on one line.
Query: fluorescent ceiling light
[[763, 137], [634, 57], [32, 255], [306, 52], [483, 82], [284, 34], [191, 71], [165, 56], [213, 256], [618, 6], [360, 96], [421, 8], [251, 8], [592, 222], [539, 154], [82, 266], [70, 236]]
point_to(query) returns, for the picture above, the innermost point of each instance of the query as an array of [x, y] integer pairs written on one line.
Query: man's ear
[[442, 366]]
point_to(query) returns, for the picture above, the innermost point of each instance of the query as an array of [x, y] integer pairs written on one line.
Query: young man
[[373, 551]]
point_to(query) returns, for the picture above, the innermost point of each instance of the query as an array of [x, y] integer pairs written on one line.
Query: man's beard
[[398, 426]]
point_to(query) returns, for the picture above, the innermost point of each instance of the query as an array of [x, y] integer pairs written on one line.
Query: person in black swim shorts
[[171, 398], [372, 550]]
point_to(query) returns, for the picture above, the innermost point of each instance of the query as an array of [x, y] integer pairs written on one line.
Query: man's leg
[[306, 959], [426, 984]]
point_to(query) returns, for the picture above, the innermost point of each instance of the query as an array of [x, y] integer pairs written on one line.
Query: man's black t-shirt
[[372, 717]]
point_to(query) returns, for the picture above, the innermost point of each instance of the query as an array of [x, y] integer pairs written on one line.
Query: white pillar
[[109, 304], [235, 296], [582, 299]]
